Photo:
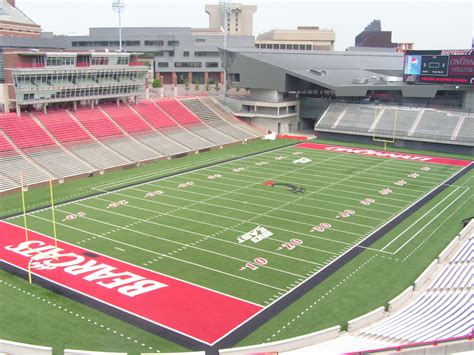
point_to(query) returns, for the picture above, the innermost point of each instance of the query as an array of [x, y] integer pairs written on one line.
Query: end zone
[[186, 309], [385, 154]]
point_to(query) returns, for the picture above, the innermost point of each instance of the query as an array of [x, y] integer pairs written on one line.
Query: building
[[308, 38], [14, 23], [374, 37], [43, 78], [238, 18], [278, 79], [177, 54]]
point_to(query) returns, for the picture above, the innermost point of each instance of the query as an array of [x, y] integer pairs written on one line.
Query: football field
[[242, 234]]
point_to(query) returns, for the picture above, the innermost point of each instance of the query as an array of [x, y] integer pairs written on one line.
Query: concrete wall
[[277, 125], [395, 304], [425, 275], [365, 319], [11, 347]]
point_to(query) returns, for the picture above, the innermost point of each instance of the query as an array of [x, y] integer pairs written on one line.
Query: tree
[[186, 86], [156, 83], [206, 87], [217, 87], [196, 85]]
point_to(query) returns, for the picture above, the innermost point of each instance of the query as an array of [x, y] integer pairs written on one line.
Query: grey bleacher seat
[[97, 155], [331, 116], [358, 118], [187, 138], [12, 166], [466, 133], [251, 131], [7, 184], [210, 134], [436, 124], [161, 143], [399, 121], [58, 162], [213, 120], [130, 149]]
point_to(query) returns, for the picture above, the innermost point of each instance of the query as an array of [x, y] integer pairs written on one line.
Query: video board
[[454, 67]]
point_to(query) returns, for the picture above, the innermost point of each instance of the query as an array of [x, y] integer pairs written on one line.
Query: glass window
[[199, 40], [162, 64], [302, 46], [186, 54], [188, 64], [282, 46], [153, 43], [308, 47], [173, 43], [295, 46], [212, 64]]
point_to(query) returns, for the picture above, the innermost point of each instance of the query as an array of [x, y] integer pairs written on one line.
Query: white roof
[[13, 14]]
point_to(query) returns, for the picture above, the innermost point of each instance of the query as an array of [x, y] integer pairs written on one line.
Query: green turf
[[196, 228]]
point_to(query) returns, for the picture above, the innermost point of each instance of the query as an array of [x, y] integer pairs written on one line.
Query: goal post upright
[[383, 140]]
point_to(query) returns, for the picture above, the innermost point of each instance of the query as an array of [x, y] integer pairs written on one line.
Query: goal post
[[386, 140]]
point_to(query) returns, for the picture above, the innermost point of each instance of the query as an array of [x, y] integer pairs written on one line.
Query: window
[[122, 60], [199, 40], [263, 45], [257, 45], [295, 46], [100, 61], [153, 43], [186, 54], [302, 46], [308, 47], [282, 46], [162, 64], [206, 54], [235, 77], [130, 43], [188, 64], [173, 43], [59, 61], [212, 64]]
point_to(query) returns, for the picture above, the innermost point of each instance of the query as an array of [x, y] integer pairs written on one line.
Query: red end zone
[[188, 309], [385, 154]]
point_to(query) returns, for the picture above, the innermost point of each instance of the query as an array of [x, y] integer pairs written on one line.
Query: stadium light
[[223, 5], [118, 7]]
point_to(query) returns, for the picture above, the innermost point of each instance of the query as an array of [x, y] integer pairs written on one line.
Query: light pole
[[118, 7], [223, 4]]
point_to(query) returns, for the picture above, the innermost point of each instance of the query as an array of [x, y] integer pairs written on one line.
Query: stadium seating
[[359, 118], [466, 131], [166, 125], [395, 120], [213, 120], [127, 119], [251, 132], [443, 311], [99, 125], [429, 125], [331, 116], [178, 112], [30, 137], [67, 131]]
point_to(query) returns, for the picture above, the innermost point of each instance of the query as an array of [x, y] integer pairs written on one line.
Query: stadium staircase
[[188, 120]]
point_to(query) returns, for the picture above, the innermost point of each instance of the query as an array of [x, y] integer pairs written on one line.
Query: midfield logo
[[302, 161], [290, 187], [48, 257]]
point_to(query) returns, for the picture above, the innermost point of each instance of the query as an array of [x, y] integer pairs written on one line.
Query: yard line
[[431, 221], [413, 224], [119, 248], [162, 255], [166, 239], [170, 213]]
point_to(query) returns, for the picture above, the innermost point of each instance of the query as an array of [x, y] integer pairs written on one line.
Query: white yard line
[[429, 223], [414, 223]]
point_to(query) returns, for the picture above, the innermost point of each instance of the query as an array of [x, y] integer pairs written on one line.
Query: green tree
[[197, 85], [186, 86], [217, 87], [156, 83], [206, 87]]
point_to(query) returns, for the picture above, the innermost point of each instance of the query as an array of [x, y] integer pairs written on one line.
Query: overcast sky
[[429, 24]]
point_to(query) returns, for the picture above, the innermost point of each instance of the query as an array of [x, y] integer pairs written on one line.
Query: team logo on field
[[283, 185], [302, 161], [255, 235]]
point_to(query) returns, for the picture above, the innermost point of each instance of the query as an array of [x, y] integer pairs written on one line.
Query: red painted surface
[[385, 154], [191, 310], [290, 136]]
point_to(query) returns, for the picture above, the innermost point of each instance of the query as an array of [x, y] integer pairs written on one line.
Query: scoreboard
[[455, 67]]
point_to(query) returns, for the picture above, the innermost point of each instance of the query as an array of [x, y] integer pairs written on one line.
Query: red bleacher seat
[[97, 123], [61, 125], [179, 112], [5, 147], [154, 115], [24, 131], [127, 119]]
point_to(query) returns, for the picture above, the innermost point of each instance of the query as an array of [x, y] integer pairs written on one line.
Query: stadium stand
[[71, 135], [12, 164], [99, 125], [213, 120], [410, 123], [166, 125], [252, 132], [189, 120], [29, 136], [443, 311]]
